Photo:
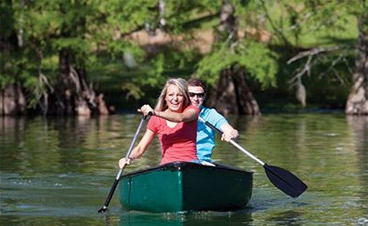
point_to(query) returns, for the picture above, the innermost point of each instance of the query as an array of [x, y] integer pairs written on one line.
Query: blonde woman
[[174, 121]]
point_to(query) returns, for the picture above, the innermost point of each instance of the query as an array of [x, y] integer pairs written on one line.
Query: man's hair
[[197, 82]]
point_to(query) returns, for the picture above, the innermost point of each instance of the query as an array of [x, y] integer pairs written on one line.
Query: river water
[[58, 171]]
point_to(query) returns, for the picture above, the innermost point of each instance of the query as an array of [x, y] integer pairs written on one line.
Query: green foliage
[[258, 61], [152, 75], [130, 15], [6, 18], [306, 23]]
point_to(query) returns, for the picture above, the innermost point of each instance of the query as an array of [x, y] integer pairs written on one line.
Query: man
[[205, 135]]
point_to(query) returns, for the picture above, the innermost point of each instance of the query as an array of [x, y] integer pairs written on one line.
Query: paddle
[[117, 178], [281, 178]]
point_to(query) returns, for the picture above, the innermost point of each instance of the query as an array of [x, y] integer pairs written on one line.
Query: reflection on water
[[291, 217], [201, 218], [58, 171]]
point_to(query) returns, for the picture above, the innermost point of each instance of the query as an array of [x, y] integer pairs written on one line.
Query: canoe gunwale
[[178, 166]]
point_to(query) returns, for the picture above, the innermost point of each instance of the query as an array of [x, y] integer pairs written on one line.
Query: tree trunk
[[357, 103], [74, 96], [12, 100], [231, 95]]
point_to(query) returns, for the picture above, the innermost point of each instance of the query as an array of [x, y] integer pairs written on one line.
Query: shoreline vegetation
[[91, 58]]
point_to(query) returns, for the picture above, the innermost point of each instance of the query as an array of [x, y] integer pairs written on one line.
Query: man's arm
[[229, 132]]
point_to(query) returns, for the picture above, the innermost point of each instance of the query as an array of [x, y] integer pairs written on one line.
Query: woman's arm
[[186, 116], [139, 150]]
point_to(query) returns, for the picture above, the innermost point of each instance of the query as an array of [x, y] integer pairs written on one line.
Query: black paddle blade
[[285, 181]]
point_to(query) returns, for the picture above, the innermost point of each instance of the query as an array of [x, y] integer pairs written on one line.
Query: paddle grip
[[144, 117]]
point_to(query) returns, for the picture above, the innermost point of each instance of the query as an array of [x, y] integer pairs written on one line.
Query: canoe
[[186, 186]]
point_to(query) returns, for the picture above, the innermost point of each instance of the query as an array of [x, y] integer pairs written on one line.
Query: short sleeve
[[153, 124], [217, 119]]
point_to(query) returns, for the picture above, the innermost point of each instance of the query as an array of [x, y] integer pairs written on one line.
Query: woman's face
[[174, 98]]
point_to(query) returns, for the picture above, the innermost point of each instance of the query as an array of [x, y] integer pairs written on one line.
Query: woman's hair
[[197, 82], [183, 87]]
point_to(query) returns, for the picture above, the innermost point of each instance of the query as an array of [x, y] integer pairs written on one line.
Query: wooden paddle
[[281, 178], [117, 178]]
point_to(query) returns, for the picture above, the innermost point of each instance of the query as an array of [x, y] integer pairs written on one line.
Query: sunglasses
[[199, 95]]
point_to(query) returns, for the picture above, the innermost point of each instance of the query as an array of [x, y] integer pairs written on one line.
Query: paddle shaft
[[117, 178], [232, 142]]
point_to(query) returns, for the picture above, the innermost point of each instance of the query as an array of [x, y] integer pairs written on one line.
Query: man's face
[[197, 95]]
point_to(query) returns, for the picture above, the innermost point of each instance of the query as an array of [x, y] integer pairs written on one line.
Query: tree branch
[[312, 52], [305, 69]]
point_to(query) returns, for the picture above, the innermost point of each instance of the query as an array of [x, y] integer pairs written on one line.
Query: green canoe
[[185, 186]]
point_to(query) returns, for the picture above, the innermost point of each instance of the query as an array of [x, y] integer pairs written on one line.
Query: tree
[[235, 59], [357, 102], [175, 30], [65, 30], [47, 29], [12, 99], [331, 16]]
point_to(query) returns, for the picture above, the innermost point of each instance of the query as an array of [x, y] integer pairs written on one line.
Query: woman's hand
[[123, 162], [146, 109]]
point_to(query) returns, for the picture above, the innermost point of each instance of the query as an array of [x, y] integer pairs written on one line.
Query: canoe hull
[[184, 186]]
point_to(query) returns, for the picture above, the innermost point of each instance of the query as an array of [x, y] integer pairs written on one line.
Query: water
[[59, 171]]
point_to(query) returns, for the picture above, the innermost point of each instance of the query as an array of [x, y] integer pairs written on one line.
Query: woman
[[174, 120]]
